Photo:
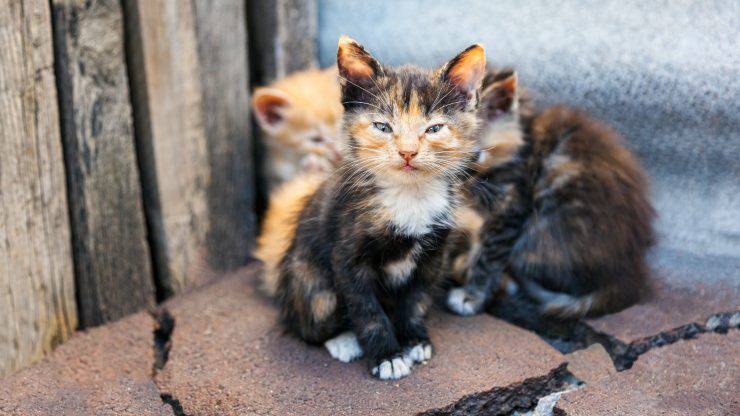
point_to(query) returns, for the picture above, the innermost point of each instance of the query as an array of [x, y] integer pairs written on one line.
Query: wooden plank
[[282, 36], [112, 260], [222, 47], [37, 302], [171, 141], [282, 40]]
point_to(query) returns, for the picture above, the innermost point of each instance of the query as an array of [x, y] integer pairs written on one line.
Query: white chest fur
[[412, 209]]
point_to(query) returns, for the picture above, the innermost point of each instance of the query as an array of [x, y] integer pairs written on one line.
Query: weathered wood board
[[37, 300], [222, 47], [282, 40], [112, 259], [171, 139], [282, 37]]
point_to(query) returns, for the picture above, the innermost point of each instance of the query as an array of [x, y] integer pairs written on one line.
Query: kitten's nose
[[407, 154]]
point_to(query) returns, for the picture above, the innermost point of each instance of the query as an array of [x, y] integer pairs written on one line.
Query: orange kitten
[[300, 115]]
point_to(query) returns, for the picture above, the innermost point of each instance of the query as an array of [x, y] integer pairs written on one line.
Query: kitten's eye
[[317, 139], [435, 128], [384, 127]]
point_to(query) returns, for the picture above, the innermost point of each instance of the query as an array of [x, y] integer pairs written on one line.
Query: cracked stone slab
[[690, 377], [591, 364], [103, 371], [672, 304], [229, 356]]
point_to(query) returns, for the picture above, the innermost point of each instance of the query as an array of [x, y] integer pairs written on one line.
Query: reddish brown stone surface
[[695, 377], [104, 371], [670, 306], [230, 357], [591, 364]]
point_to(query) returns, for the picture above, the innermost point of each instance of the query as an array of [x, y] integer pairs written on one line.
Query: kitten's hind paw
[[465, 303], [391, 369], [344, 347], [418, 353]]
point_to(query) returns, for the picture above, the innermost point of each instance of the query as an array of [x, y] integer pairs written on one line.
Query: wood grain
[[112, 259], [37, 303], [222, 49], [171, 139], [282, 37]]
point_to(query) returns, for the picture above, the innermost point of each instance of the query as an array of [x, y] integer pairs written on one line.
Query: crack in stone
[[165, 327], [162, 337], [625, 355], [569, 336], [174, 404], [516, 397]]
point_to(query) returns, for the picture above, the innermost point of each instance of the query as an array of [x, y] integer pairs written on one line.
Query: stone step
[[229, 356], [695, 377], [104, 371]]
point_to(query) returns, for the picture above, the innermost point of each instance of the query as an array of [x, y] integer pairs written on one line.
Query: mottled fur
[[300, 116], [278, 225], [367, 247], [566, 214]]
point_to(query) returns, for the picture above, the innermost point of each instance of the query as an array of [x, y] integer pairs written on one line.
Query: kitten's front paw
[[465, 303], [418, 353], [391, 369], [344, 347]]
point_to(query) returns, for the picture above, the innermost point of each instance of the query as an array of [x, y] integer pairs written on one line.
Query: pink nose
[[407, 154]]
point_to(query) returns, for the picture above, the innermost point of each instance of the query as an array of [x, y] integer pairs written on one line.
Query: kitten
[[366, 251], [300, 115], [565, 211], [279, 222]]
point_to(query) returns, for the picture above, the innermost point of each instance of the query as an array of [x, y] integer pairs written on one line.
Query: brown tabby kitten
[[366, 252], [300, 116], [564, 207]]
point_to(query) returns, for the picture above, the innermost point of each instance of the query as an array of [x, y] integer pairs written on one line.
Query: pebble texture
[[229, 356], [105, 372], [698, 377], [591, 364]]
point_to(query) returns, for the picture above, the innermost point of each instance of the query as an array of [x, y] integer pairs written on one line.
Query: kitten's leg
[[409, 314], [372, 325], [486, 269]]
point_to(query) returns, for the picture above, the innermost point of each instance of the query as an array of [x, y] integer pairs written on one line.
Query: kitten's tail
[[565, 306], [279, 224]]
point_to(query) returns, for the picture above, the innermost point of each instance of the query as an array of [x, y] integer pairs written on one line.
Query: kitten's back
[[583, 253], [278, 227]]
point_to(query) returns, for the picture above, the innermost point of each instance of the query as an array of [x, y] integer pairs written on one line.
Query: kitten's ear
[[499, 96], [466, 70], [269, 105], [355, 64]]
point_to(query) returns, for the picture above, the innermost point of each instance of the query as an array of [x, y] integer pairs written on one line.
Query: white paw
[[344, 347], [461, 303], [391, 369], [418, 353]]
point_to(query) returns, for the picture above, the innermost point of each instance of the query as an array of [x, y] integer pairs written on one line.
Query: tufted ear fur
[[466, 70], [356, 66], [499, 96], [269, 105]]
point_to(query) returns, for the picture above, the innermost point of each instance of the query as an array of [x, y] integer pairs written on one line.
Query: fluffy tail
[[564, 306], [278, 227]]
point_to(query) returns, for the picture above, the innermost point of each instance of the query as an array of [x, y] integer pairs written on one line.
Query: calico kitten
[[564, 207], [366, 252], [301, 116], [279, 222]]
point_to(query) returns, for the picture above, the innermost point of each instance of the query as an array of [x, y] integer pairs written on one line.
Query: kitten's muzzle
[[407, 155]]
